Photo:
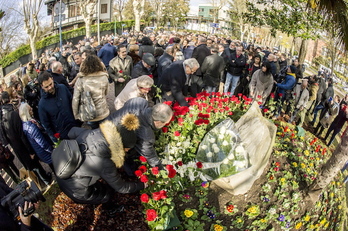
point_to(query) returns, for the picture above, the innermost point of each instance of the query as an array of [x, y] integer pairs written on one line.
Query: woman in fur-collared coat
[[102, 152]]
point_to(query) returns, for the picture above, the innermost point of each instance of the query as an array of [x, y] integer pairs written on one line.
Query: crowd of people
[[62, 96]]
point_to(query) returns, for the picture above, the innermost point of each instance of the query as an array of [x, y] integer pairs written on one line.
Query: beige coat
[[98, 84], [130, 91]]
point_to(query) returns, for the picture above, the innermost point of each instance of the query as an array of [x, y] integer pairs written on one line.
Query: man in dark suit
[[199, 53], [175, 80]]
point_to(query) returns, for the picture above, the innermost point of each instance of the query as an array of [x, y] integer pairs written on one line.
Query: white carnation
[[221, 137], [216, 149], [226, 160], [224, 143], [209, 154], [212, 140], [231, 156], [204, 147], [186, 144], [240, 149], [178, 144], [222, 130]]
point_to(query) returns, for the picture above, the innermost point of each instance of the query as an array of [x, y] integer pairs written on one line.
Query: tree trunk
[[330, 169], [88, 24], [303, 51], [33, 48]]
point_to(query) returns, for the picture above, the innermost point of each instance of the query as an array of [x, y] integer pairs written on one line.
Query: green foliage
[[289, 16], [320, 60], [25, 49]]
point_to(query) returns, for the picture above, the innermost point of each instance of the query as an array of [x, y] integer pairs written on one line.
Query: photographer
[[26, 223]]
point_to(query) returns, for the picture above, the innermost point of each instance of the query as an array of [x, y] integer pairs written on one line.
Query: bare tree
[[119, 6], [238, 8], [9, 25], [158, 7], [88, 9], [217, 5], [30, 12], [138, 9]]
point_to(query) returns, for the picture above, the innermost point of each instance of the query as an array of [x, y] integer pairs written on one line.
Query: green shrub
[[25, 49]]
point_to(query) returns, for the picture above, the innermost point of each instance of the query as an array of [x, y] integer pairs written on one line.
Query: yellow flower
[[311, 226], [218, 227], [303, 165], [298, 225], [327, 224], [252, 209], [188, 213], [306, 152], [317, 158], [311, 164], [239, 220], [339, 207], [263, 220], [294, 164], [282, 179], [332, 194], [322, 222], [307, 218], [308, 169]]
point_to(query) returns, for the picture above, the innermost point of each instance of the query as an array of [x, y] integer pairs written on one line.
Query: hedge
[[25, 49]]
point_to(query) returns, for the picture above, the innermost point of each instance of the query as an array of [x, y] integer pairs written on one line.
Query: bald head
[[57, 67]]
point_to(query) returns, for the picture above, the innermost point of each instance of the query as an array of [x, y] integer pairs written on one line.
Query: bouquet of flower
[[222, 152]]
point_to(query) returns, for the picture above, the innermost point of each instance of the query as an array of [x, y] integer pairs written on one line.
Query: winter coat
[[55, 111], [322, 87], [60, 79], [116, 65], [313, 90], [38, 141], [187, 51], [213, 69], [146, 49], [199, 53], [301, 100], [330, 115], [259, 88], [13, 129], [97, 84], [145, 133], [106, 53], [287, 84], [130, 91], [102, 153], [235, 66], [173, 82], [139, 70], [163, 63]]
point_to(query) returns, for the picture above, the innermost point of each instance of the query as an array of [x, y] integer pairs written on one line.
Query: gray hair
[[144, 81], [161, 112], [191, 63], [24, 112], [55, 65]]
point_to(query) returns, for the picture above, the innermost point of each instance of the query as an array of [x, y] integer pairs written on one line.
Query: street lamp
[[176, 23], [115, 23]]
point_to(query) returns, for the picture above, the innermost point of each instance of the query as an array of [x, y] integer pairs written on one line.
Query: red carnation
[[120, 71], [156, 196], [57, 135], [179, 163], [151, 215], [180, 121], [176, 133], [164, 129], [272, 95], [142, 159], [171, 173], [163, 194], [265, 110], [280, 94], [169, 103], [154, 170], [199, 165], [144, 179], [169, 167], [144, 198], [143, 168], [151, 76], [138, 173]]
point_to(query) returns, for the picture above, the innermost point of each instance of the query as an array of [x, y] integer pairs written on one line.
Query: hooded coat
[[102, 153]]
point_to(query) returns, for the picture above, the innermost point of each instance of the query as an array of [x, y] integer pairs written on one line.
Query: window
[[103, 8], [72, 11], [201, 9]]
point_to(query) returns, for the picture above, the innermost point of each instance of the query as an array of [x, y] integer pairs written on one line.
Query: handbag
[[87, 110]]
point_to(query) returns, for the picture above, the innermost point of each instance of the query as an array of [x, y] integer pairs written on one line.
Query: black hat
[[129, 124]]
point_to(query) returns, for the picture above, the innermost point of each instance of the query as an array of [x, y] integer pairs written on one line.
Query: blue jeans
[[210, 89], [231, 80], [316, 109]]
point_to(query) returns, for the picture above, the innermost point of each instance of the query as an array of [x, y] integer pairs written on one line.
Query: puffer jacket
[[38, 141], [98, 84], [145, 133], [102, 153]]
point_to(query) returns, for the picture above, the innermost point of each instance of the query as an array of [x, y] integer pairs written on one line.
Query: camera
[[282, 74], [19, 195]]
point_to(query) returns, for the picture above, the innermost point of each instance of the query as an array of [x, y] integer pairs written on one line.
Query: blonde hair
[[24, 113]]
